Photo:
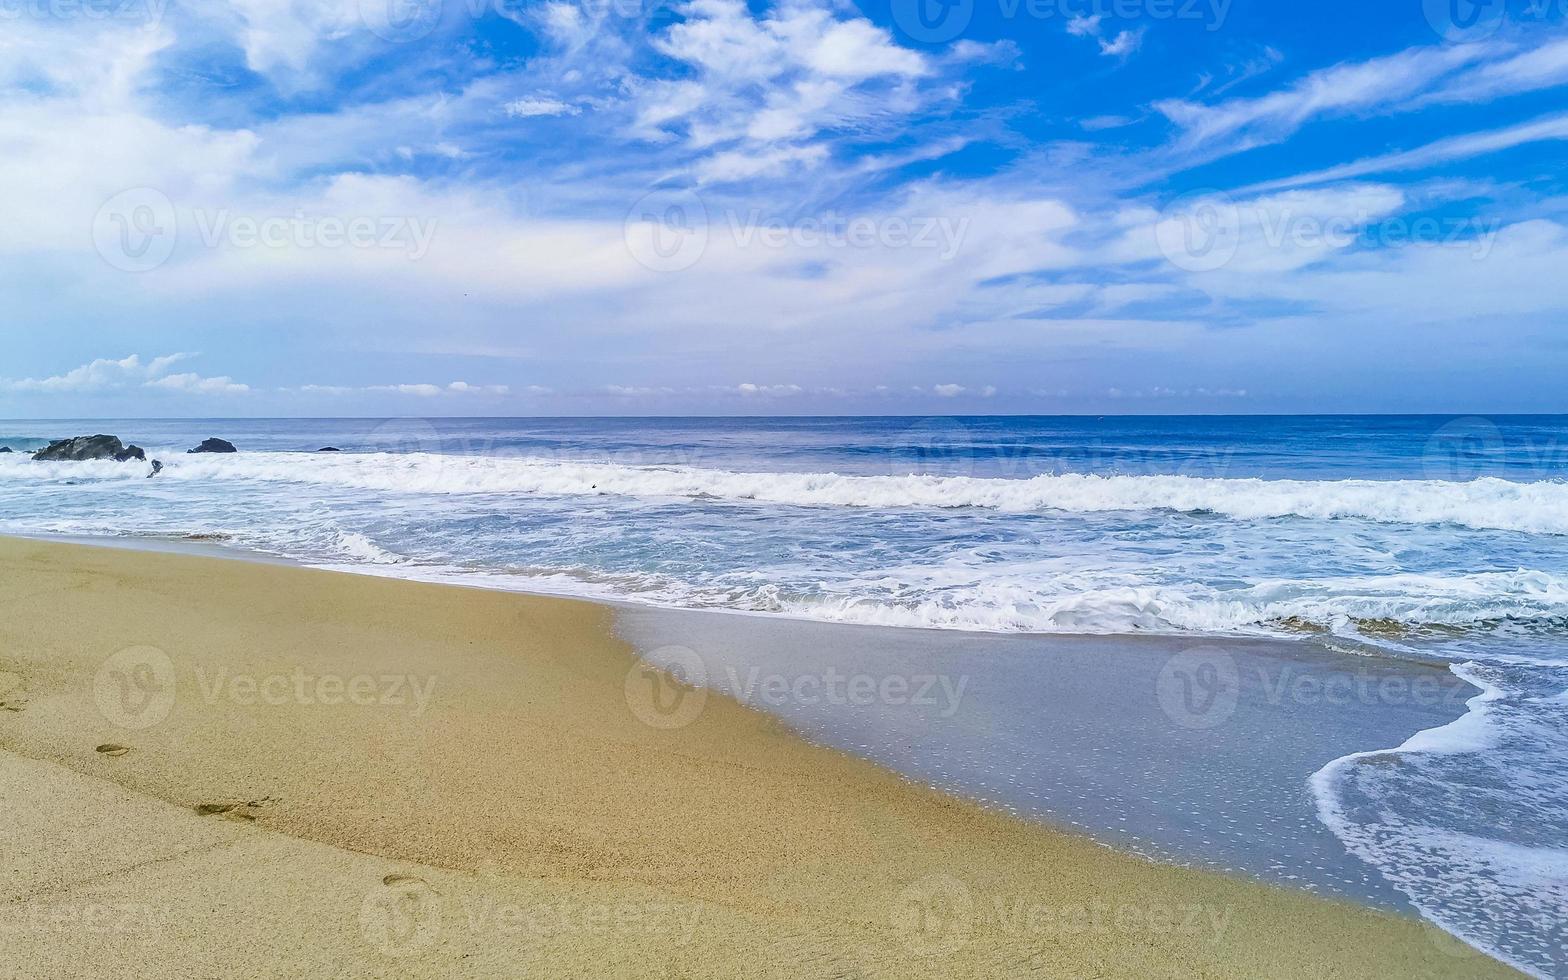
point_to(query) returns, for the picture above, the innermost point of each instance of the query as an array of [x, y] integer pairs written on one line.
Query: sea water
[[1422, 537]]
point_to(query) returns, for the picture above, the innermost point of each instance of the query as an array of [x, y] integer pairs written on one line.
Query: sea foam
[[1538, 507]]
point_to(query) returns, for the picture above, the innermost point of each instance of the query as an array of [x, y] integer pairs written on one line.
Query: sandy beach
[[216, 766]]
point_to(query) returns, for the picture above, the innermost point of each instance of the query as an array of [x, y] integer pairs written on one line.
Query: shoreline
[[218, 549], [240, 824]]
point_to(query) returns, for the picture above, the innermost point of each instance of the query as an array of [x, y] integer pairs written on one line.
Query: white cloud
[[539, 106], [771, 390], [1124, 44], [766, 87], [1085, 25], [196, 384], [102, 374], [1379, 83], [109, 374], [1550, 128]]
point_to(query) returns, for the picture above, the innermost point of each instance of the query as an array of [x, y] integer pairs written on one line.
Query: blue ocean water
[[1423, 537]]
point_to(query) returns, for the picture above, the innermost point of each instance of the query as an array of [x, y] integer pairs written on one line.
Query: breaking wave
[[1489, 503]]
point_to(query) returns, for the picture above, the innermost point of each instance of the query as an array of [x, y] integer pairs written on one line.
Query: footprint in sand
[[112, 750], [238, 810], [11, 692]]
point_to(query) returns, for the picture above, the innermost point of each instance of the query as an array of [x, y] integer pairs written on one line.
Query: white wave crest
[[1538, 507]]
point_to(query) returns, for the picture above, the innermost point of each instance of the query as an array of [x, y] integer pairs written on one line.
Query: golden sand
[[222, 767]]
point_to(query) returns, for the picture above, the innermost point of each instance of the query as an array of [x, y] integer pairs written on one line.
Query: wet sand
[[220, 766]]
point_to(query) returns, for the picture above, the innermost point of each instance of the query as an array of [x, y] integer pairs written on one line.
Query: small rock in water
[[329, 449], [5, 449], [213, 446]]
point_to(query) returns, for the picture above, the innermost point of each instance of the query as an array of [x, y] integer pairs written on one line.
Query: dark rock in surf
[[213, 446], [329, 449], [5, 449], [84, 448]]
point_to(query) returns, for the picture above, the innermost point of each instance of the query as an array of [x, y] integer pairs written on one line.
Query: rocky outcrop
[[329, 449], [5, 449], [213, 446], [89, 447]]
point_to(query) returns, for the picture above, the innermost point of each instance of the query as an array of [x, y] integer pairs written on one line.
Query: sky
[[641, 207]]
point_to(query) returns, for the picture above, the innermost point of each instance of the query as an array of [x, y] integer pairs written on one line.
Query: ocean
[[1424, 539]]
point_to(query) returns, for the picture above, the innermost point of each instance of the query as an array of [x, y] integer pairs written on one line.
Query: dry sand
[[497, 805]]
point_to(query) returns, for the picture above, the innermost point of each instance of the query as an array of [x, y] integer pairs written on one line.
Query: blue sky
[[491, 207]]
